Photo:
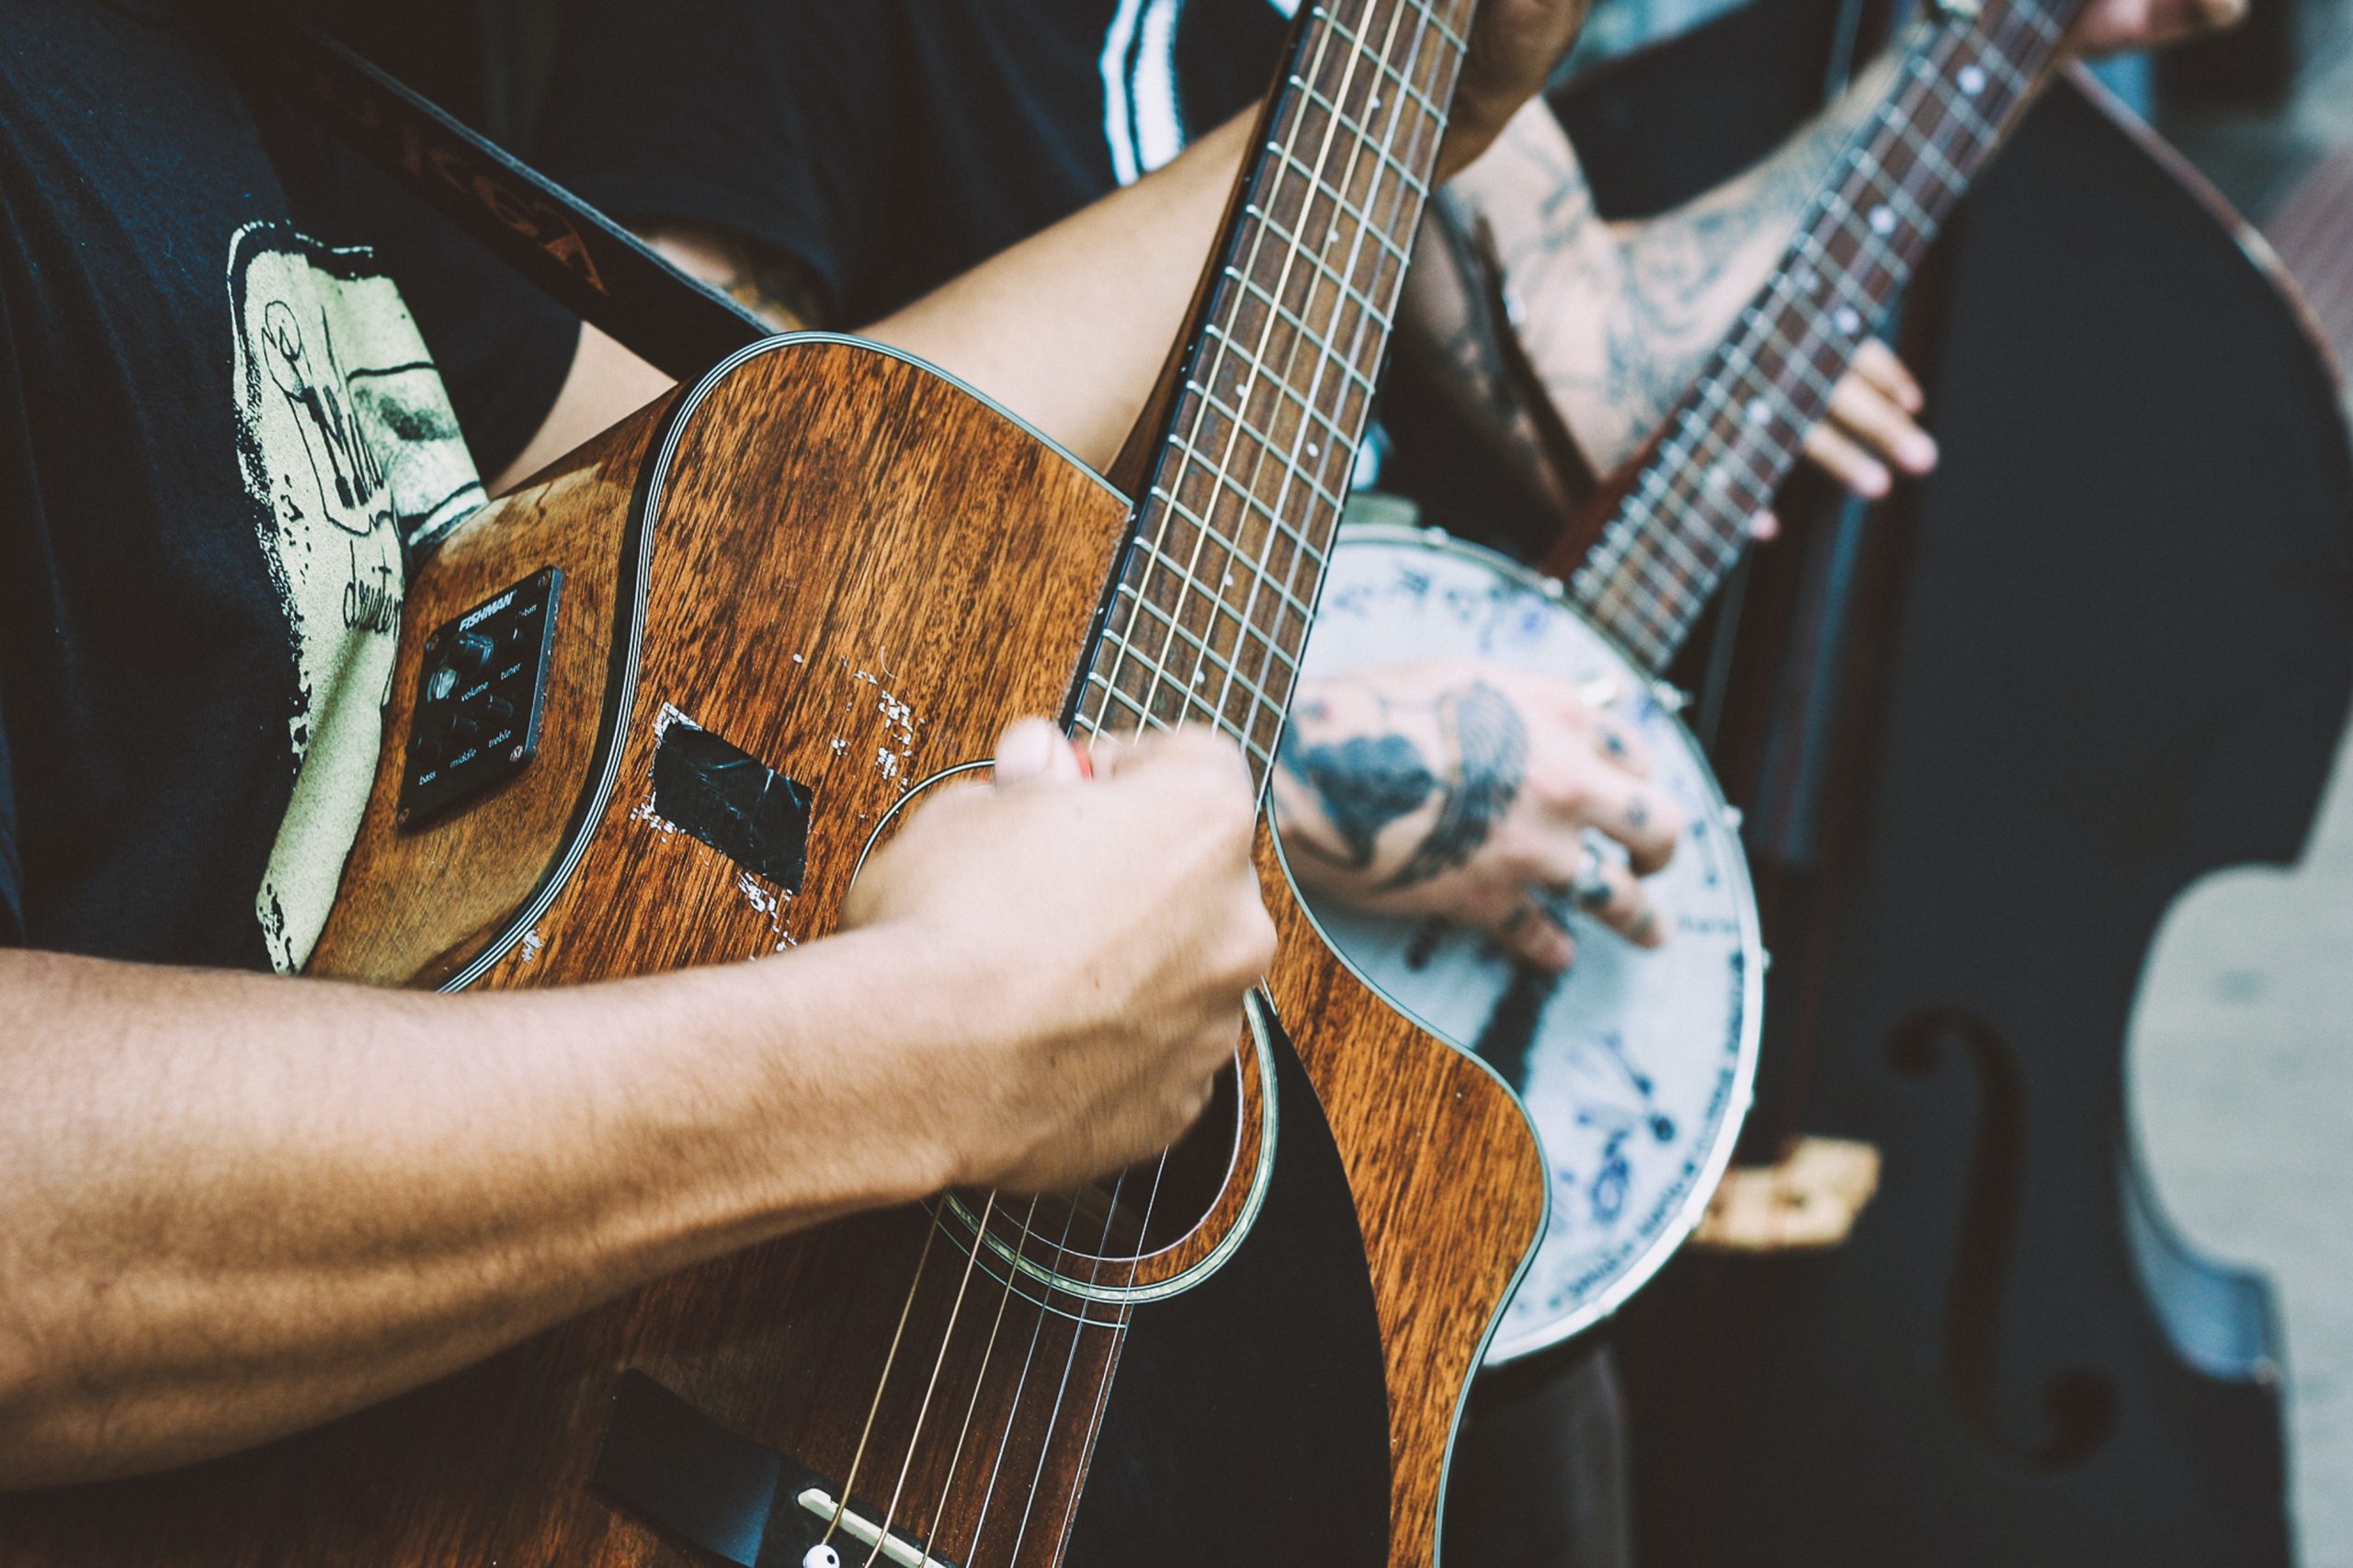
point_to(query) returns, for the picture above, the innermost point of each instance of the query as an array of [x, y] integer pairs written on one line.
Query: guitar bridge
[[896, 1548], [739, 1501]]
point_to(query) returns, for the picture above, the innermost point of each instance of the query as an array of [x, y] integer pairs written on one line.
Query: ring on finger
[[1590, 888]]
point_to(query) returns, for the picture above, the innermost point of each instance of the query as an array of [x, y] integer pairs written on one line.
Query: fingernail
[[1764, 526], [1027, 749], [1872, 482], [1918, 452]]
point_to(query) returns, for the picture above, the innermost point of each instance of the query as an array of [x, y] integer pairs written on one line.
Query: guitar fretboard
[[1963, 77], [1214, 599]]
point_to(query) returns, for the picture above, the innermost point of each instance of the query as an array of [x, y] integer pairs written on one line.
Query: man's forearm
[[231, 1206], [1617, 318], [1070, 327]]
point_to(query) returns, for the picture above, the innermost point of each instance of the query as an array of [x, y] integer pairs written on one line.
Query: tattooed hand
[[1466, 790]]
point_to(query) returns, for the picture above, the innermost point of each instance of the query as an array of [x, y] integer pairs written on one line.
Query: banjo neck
[[1207, 615], [1966, 74]]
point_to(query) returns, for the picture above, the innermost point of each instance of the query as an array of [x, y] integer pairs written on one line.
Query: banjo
[[1637, 1066]]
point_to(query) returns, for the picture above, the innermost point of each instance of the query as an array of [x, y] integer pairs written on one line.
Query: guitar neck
[[1965, 75], [1209, 609]]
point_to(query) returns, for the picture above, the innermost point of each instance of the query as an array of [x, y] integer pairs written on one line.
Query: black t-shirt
[[221, 431], [890, 144]]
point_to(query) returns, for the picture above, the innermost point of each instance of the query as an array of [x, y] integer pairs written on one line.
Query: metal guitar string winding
[[923, 1410], [1188, 582], [1257, 360], [890, 1356], [1013, 1409], [1159, 672]]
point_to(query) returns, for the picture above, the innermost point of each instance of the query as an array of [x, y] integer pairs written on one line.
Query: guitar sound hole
[[1146, 1209]]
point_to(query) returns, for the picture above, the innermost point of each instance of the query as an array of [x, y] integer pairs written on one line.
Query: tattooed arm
[[1468, 791], [773, 285], [1619, 317]]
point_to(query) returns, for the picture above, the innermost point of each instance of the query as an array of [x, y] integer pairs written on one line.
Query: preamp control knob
[[472, 653]]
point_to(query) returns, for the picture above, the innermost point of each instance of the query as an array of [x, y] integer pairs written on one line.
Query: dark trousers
[[1538, 1479]]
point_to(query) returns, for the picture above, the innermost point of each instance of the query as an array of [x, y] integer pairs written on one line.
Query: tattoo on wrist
[[1366, 783], [772, 285]]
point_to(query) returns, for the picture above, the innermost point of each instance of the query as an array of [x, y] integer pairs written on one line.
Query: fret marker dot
[[1806, 279], [1719, 478], [1848, 322], [1882, 221], [1312, 449], [1972, 80], [1760, 412]]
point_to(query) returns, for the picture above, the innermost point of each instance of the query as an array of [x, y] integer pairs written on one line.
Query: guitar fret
[[1359, 381], [1339, 200], [1251, 563], [1929, 154], [1233, 558], [1229, 550], [1403, 176], [1348, 291], [1339, 438], [1283, 312], [1210, 661], [1979, 128], [1146, 719], [1895, 192]]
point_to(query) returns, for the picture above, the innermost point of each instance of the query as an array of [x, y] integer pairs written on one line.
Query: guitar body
[[855, 571]]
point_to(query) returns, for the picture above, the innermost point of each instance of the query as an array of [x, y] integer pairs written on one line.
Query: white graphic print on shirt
[[347, 438]]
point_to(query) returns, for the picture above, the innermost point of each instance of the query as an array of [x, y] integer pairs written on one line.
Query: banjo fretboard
[[1965, 75]]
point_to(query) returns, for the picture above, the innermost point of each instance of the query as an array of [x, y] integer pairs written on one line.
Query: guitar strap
[[580, 258]]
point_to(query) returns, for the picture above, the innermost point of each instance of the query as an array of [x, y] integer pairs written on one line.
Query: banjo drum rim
[[1504, 1348]]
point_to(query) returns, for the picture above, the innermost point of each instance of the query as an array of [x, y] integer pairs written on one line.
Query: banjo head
[[1636, 1066]]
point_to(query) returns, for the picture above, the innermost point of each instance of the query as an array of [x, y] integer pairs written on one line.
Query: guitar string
[[1660, 546], [931, 1385], [1815, 356], [1645, 528], [857, 1457], [1316, 66], [1923, 78], [1629, 559], [1103, 1381], [1013, 1407], [1409, 190], [1362, 144], [1341, 301], [971, 1406], [1188, 579], [1079, 1324]]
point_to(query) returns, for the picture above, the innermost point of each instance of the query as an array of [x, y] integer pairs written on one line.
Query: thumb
[[1034, 749]]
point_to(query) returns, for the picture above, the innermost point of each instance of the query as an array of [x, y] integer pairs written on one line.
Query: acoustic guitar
[[652, 710]]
